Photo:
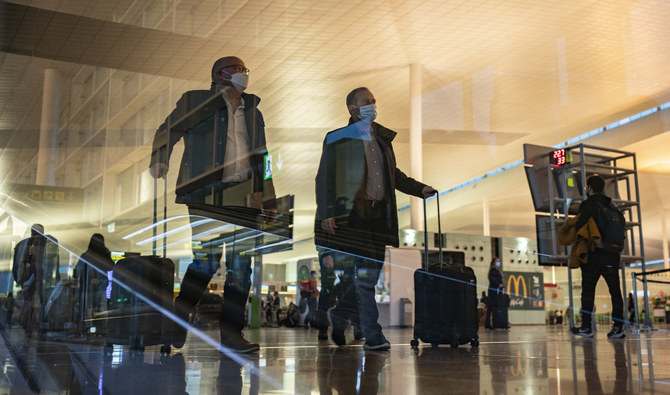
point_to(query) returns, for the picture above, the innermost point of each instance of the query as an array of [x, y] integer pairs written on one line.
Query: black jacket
[[193, 119], [341, 178], [589, 209]]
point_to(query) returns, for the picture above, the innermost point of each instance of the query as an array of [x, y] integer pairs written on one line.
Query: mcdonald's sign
[[519, 370], [526, 290]]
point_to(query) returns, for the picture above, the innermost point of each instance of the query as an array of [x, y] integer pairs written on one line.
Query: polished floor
[[523, 360]]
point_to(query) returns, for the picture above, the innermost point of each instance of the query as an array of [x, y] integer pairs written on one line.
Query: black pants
[[606, 265], [326, 296], [365, 256], [238, 274]]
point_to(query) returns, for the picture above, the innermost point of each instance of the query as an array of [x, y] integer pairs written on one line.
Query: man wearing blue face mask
[[222, 167], [356, 215]]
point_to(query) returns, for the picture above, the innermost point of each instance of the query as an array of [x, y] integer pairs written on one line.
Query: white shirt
[[236, 160]]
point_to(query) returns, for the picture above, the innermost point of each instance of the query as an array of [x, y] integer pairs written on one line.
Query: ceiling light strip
[[572, 141]]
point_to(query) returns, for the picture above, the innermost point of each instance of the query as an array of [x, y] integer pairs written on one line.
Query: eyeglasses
[[238, 68]]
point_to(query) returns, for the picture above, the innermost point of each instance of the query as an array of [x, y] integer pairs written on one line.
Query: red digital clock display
[[558, 157]]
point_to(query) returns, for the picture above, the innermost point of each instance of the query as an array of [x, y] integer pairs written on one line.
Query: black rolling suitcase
[[142, 292], [445, 296], [500, 311]]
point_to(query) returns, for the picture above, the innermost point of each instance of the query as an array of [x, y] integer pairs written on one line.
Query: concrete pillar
[[485, 212], [415, 142], [46, 156], [664, 238]]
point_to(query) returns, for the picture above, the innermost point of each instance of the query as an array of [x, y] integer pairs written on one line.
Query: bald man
[[222, 166]]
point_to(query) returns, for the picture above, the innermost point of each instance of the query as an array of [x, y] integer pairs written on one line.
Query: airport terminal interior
[[158, 156]]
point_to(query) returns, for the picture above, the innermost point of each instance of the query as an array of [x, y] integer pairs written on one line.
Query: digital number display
[[558, 157]]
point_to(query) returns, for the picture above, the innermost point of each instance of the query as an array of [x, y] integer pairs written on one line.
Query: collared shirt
[[236, 160], [376, 188]]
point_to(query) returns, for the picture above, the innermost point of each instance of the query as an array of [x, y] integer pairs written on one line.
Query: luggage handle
[[425, 233], [155, 217]]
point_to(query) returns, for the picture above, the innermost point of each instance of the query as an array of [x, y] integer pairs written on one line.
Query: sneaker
[[616, 333], [379, 343], [337, 332], [584, 332], [238, 344]]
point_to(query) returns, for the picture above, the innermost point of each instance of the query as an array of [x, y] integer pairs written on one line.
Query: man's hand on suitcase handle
[[329, 225], [270, 215], [428, 191]]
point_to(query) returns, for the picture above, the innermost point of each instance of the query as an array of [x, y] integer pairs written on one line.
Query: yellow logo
[[519, 371], [516, 280]]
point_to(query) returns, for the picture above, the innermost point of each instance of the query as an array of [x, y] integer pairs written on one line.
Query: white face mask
[[239, 80], [497, 263], [368, 112]]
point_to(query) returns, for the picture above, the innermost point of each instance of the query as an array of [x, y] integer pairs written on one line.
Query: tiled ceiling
[[495, 74]]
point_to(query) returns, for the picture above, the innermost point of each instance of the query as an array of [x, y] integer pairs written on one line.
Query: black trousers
[[364, 258], [606, 265], [238, 276]]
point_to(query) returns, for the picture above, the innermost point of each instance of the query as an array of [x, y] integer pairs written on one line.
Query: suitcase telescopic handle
[[425, 233], [155, 217]]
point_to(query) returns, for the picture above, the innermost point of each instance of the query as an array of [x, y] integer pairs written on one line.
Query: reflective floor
[[523, 360]]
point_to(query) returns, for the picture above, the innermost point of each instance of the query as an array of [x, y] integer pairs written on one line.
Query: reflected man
[[357, 211], [222, 166]]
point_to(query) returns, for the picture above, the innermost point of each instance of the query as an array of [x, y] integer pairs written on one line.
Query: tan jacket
[[582, 241]]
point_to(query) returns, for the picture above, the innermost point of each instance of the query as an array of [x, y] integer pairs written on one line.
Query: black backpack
[[612, 227]]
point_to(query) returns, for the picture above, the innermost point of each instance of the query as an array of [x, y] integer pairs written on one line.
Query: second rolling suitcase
[[132, 320], [445, 297]]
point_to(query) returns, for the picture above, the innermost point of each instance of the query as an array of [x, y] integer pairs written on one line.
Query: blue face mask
[[368, 112]]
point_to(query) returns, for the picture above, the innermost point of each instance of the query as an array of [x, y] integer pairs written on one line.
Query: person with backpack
[[604, 259]]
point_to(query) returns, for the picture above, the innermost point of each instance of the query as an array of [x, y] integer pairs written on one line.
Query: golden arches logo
[[519, 371], [516, 280]]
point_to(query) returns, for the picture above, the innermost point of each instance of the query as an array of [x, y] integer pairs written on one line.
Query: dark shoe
[[358, 333], [237, 343], [378, 343], [323, 334], [584, 332], [616, 333], [337, 325]]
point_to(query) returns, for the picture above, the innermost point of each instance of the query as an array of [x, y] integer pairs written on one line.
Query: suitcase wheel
[[474, 343], [414, 344], [454, 344], [166, 349]]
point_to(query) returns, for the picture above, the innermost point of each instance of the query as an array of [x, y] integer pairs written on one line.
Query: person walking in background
[[605, 257], [496, 291], [91, 274], [312, 300], [35, 269]]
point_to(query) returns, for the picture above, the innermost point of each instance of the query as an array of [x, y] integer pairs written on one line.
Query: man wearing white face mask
[[222, 166], [357, 216]]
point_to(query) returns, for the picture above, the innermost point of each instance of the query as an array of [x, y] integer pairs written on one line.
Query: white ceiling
[[495, 74]]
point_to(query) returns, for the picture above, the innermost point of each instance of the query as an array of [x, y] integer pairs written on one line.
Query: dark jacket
[[341, 178], [205, 142], [495, 278], [589, 209]]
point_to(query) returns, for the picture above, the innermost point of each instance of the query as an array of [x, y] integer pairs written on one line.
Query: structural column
[[664, 238], [415, 142], [486, 219], [46, 156]]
